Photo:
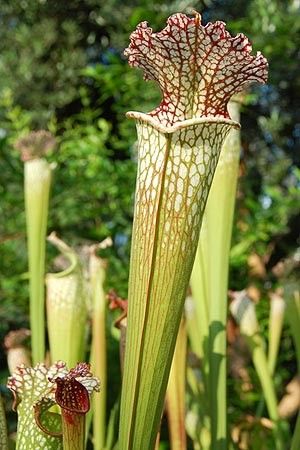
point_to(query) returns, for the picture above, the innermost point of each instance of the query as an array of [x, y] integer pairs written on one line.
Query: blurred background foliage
[[62, 68]]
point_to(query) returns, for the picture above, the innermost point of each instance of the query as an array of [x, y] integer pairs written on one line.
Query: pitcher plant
[[198, 68]]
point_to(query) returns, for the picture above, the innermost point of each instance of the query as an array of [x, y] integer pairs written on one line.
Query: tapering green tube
[[175, 395], [37, 180], [174, 175], [209, 280], [97, 269]]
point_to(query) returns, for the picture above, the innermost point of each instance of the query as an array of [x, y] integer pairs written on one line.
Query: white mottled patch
[[171, 188], [178, 203], [195, 179], [180, 185], [183, 171]]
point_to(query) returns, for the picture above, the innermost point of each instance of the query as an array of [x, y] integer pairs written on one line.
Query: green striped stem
[[209, 280], [97, 271], [175, 395], [73, 429], [174, 175], [37, 180]]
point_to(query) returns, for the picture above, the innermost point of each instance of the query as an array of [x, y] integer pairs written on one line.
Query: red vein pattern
[[31, 386], [198, 68], [175, 172]]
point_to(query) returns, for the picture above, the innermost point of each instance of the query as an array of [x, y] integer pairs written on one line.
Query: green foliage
[[62, 68], [38, 43], [265, 216]]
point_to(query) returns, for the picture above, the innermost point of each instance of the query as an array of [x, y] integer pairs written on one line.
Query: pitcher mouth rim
[[146, 118]]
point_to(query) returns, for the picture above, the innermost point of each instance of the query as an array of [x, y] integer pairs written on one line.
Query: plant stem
[[218, 218], [175, 395], [98, 349], [37, 180], [261, 366], [277, 312], [199, 329], [73, 428], [112, 426], [209, 280]]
